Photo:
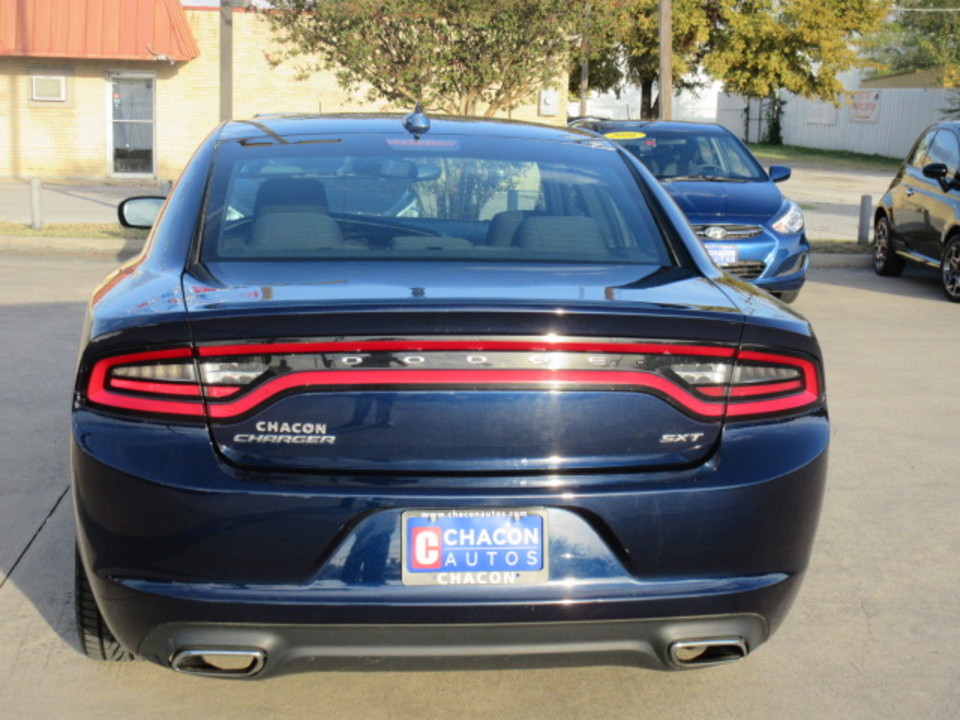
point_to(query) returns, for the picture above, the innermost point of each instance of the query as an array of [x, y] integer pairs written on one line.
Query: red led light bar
[[217, 402], [531, 379]]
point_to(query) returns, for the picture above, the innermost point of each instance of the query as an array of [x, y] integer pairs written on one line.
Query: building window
[[48, 88]]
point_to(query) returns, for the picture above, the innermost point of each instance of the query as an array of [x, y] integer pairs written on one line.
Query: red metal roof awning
[[96, 29]]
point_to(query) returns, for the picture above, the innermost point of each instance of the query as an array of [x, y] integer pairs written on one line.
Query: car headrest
[[562, 233], [291, 195]]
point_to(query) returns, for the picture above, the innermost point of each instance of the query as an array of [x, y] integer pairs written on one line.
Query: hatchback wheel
[[950, 270], [885, 260]]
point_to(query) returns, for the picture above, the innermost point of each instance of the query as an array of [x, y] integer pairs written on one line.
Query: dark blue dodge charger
[[412, 389]]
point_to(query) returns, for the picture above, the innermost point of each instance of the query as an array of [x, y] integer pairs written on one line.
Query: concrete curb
[[78, 246], [128, 248]]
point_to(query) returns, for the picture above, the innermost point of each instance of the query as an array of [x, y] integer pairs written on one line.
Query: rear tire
[[885, 259], [96, 640], [787, 296], [950, 270]]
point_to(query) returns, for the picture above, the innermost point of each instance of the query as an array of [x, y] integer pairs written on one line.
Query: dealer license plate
[[722, 254], [474, 547]]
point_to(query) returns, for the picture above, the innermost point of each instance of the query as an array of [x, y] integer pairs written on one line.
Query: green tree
[[605, 72], [756, 47], [924, 34], [763, 46], [632, 53], [694, 24], [465, 57]]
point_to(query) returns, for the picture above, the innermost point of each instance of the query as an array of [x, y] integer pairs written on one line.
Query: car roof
[[668, 125], [281, 125]]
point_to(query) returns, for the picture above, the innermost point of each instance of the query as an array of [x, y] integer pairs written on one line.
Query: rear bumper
[[290, 648], [184, 552]]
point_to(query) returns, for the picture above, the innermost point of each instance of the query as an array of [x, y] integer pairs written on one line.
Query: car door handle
[[908, 192]]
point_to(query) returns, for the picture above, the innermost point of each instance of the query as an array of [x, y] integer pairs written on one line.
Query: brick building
[[128, 88]]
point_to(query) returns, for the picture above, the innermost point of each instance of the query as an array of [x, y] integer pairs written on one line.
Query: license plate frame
[[723, 254], [429, 532]]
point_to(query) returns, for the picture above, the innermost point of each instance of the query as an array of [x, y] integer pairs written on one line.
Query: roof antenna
[[416, 123]]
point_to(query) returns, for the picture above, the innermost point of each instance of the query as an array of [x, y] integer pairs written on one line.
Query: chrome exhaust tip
[[706, 653], [219, 662]]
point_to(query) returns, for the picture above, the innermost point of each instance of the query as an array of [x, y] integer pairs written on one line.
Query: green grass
[[787, 154], [85, 231]]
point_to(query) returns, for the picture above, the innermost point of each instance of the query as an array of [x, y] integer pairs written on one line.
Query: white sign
[[864, 105]]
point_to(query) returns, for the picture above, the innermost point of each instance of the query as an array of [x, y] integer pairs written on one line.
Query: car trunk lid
[[401, 370]]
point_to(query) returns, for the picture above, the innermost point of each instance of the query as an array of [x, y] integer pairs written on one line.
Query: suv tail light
[[226, 382]]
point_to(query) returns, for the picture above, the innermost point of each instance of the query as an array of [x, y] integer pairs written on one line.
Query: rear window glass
[[396, 198]]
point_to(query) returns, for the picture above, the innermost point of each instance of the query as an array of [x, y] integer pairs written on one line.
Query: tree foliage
[[463, 57], [694, 24], [756, 47], [923, 34], [763, 46]]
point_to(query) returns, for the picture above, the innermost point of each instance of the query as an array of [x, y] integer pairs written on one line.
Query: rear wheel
[[950, 270], [96, 640], [885, 259]]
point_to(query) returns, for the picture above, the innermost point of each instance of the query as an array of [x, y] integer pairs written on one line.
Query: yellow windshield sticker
[[625, 135]]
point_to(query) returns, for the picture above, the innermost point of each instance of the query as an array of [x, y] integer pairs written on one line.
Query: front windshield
[[381, 197], [688, 155]]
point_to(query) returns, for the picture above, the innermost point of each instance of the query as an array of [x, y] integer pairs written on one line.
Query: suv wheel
[[96, 640], [885, 260], [950, 270]]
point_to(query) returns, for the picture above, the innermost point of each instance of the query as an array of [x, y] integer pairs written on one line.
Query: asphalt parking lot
[[874, 634]]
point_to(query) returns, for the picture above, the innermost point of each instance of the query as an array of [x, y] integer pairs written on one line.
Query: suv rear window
[[393, 197]]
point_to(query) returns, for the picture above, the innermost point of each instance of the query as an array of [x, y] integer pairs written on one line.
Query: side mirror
[[140, 212], [940, 173], [935, 171], [779, 173]]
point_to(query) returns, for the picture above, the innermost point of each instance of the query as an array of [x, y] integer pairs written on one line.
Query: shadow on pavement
[[131, 248], [36, 517], [915, 282]]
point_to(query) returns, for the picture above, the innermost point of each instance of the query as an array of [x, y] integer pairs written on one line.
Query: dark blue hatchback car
[[736, 209], [420, 391]]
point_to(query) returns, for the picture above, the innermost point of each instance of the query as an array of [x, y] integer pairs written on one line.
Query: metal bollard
[[866, 210], [36, 213]]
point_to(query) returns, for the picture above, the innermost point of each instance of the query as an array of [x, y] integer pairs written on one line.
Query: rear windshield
[[443, 198], [689, 154]]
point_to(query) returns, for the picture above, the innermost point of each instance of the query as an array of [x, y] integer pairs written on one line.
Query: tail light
[[161, 382], [228, 382]]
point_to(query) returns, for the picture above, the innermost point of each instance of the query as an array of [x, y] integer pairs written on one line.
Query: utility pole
[[584, 85], [584, 63], [226, 60], [665, 81]]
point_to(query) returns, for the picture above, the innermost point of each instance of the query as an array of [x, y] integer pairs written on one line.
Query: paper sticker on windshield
[[625, 135]]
